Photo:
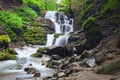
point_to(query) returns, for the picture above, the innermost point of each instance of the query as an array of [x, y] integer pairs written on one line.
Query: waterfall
[[63, 26], [50, 39]]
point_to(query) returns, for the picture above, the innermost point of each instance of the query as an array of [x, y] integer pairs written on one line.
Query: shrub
[[13, 23], [26, 13]]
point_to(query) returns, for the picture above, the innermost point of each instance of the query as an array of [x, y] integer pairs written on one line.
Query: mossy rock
[[36, 55], [49, 64], [5, 55], [34, 35], [57, 35], [5, 38], [11, 51], [111, 68], [99, 58]]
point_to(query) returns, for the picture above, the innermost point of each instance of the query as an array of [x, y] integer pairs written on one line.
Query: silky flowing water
[[22, 60]]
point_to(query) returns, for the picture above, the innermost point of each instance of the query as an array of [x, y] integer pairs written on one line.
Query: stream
[[63, 27]]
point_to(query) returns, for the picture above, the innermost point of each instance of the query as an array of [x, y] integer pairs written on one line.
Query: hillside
[[96, 36]]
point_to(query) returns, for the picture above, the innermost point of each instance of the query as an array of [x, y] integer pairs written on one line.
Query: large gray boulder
[[62, 51]]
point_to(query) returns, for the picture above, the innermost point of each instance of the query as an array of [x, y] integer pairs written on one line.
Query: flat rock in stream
[[62, 51]]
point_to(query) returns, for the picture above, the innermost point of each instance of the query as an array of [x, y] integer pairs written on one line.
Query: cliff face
[[98, 18], [97, 28]]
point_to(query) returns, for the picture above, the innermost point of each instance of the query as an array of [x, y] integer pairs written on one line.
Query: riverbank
[[72, 68]]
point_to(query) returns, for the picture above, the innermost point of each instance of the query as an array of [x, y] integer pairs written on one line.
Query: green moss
[[4, 55], [5, 38], [34, 35], [92, 32], [13, 23], [43, 4], [110, 6], [11, 51], [91, 25], [26, 13]]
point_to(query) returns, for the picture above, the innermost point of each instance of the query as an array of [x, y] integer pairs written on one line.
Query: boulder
[[54, 50], [91, 62], [99, 57], [78, 49], [46, 23]]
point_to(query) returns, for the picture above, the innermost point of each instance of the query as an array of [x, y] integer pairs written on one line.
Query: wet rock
[[37, 55], [56, 63], [77, 37], [54, 50], [37, 74], [73, 38], [49, 64]]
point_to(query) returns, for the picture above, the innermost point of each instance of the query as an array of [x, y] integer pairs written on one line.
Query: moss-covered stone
[[11, 51], [34, 35], [5, 55], [5, 38], [57, 35], [4, 41]]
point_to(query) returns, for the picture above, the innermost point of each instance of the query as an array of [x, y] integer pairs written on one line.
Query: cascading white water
[[50, 39], [23, 59], [63, 26]]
